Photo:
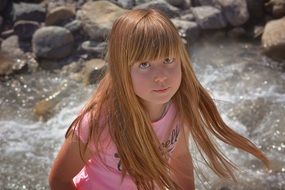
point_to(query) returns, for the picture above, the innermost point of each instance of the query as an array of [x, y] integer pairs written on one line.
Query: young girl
[[134, 131]]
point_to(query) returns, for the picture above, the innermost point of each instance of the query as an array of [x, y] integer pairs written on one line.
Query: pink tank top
[[97, 176]]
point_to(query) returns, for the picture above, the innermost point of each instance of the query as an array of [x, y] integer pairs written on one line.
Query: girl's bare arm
[[181, 162], [67, 164]]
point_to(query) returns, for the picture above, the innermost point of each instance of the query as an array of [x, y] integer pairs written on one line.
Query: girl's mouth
[[163, 90]]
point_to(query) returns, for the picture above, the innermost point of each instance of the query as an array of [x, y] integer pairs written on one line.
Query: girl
[[134, 131]]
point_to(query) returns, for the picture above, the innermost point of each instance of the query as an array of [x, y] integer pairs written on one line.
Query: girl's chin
[[160, 101]]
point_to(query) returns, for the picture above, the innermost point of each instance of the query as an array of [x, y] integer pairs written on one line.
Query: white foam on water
[[231, 74]]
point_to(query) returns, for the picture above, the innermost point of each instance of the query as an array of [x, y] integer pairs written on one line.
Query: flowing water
[[248, 88]]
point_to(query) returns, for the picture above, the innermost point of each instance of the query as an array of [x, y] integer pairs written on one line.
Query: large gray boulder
[[11, 47], [179, 3], [126, 4], [276, 7], [235, 12], [93, 71], [52, 42], [138, 2], [209, 17], [29, 11], [94, 49], [273, 39], [97, 18], [187, 29], [11, 56], [161, 5], [188, 17], [59, 16], [213, 3], [74, 26]]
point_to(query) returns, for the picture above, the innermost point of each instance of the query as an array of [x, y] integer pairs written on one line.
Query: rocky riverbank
[[55, 32], [69, 36]]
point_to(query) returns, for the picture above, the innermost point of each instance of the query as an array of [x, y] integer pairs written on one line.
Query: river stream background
[[248, 88]]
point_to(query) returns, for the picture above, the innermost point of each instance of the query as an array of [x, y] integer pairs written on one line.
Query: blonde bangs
[[152, 39]]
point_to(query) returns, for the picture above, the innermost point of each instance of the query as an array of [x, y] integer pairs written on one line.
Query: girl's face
[[155, 82]]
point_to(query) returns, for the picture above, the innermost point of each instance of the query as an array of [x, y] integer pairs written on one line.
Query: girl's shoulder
[[81, 126], [86, 123]]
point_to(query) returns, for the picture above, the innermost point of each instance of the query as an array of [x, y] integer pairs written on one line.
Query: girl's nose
[[160, 77]]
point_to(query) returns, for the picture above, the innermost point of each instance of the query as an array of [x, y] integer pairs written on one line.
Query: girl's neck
[[157, 111]]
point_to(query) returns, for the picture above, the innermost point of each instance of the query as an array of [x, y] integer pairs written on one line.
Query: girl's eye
[[168, 60], [144, 65]]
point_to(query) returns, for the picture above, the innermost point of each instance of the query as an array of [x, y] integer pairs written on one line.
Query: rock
[[54, 4], [79, 3], [279, 11], [139, 2], [93, 71], [72, 70], [209, 17], [276, 7], [161, 5], [74, 26], [97, 18], [273, 39], [11, 47], [32, 63], [187, 17], [177, 3], [32, 1], [6, 65], [94, 48], [9, 64], [59, 16], [25, 29], [7, 33], [256, 10], [213, 3], [258, 31], [187, 29], [45, 108], [29, 11], [235, 12], [126, 4], [52, 42]]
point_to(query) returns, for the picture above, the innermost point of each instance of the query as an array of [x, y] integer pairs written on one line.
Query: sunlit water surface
[[248, 88]]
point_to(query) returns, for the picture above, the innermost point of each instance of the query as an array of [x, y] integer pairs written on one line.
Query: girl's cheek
[[144, 76], [175, 70]]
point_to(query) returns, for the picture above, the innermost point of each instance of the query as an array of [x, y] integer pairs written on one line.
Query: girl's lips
[[163, 90]]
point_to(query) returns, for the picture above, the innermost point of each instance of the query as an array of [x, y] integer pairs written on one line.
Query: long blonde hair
[[147, 34]]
